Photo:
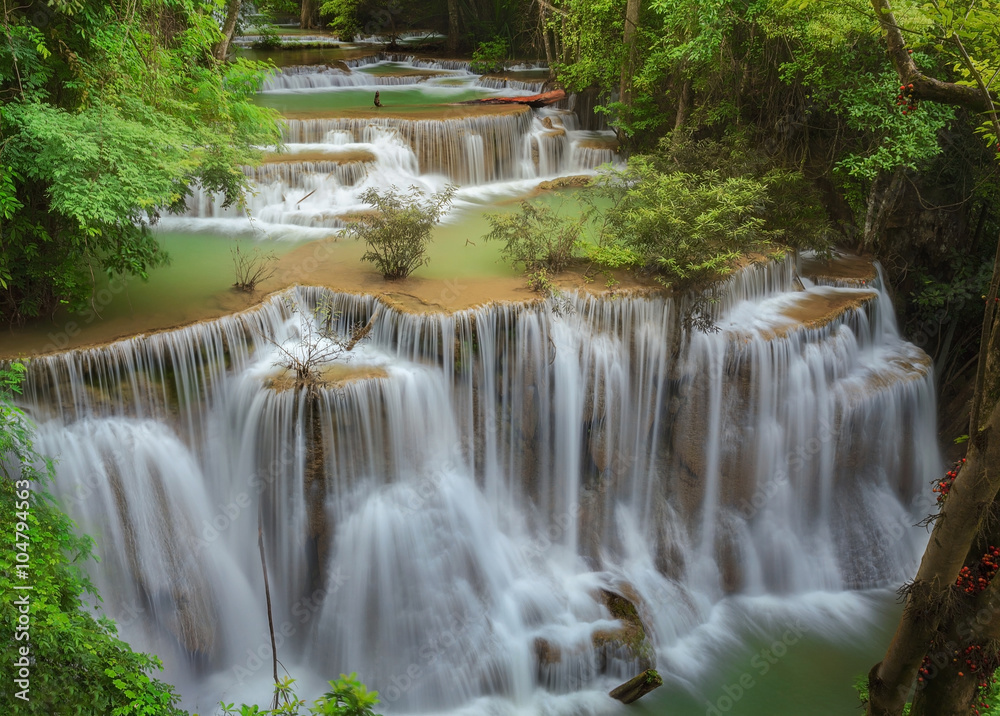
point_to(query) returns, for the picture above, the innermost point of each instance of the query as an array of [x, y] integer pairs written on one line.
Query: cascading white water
[[441, 518], [508, 83], [486, 153]]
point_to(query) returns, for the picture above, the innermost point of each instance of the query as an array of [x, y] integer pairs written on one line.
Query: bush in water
[[398, 230]]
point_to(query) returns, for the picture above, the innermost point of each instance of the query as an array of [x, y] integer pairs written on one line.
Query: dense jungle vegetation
[[111, 110]]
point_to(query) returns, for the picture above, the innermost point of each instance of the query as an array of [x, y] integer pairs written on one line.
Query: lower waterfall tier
[[448, 513]]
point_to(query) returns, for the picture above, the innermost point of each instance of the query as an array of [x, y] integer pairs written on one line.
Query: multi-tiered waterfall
[[442, 515], [337, 144]]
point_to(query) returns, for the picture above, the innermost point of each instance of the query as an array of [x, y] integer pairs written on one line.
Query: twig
[[267, 594]]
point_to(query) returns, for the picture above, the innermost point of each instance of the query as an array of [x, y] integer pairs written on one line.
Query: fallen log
[[535, 100], [635, 688]]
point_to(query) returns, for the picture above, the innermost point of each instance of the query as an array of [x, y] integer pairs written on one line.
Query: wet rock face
[[625, 649]]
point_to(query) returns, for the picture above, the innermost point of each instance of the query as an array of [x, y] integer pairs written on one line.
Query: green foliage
[[276, 9], [595, 28], [109, 116], [536, 238], [398, 230], [342, 17], [890, 139], [490, 56], [611, 256], [267, 38], [347, 697], [78, 665], [689, 211]]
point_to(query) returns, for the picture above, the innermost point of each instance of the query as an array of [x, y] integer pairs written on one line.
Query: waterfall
[[506, 83], [313, 77], [329, 162], [442, 515], [438, 144]]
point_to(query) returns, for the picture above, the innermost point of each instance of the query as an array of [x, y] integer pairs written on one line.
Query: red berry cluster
[[943, 486], [971, 582], [905, 98], [976, 664], [925, 668]]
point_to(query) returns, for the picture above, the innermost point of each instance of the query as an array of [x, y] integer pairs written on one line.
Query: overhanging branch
[[924, 87]]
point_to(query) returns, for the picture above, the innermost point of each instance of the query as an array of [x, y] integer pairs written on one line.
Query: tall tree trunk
[[683, 109], [933, 599], [882, 200], [307, 17], [228, 28], [950, 688], [973, 494], [453, 26], [631, 57]]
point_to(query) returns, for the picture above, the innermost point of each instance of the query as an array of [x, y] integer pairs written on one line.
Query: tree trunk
[[683, 108], [631, 57], [924, 87], [637, 687], [307, 18], [932, 598], [891, 681], [228, 28], [882, 199], [951, 686], [453, 26]]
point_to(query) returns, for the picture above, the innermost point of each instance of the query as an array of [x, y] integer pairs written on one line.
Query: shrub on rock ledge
[[398, 231]]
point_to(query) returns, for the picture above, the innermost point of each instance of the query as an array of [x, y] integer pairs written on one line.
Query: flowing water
[[442, 517]]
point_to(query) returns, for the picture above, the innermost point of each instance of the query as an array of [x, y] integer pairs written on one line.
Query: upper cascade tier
[[330, 161], [423, 134]]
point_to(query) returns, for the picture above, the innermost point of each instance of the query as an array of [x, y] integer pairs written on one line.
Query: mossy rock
[[628, 641]]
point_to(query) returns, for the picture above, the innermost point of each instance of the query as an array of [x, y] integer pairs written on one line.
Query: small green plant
[[347, 697], [490, 56], [540, 281], [537, 240], [607, 257], [689, 210], [267, 38], [398, 230], [861, 688]]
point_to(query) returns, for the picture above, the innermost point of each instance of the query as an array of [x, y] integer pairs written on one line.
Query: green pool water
[[390, 69], [765, 675], [197, 283], [395, 98]]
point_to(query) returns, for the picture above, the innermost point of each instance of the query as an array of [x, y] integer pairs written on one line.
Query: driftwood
[[635, 688], [535, 100]]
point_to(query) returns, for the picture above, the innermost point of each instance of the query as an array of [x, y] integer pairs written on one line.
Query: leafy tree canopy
[[111, 112]]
